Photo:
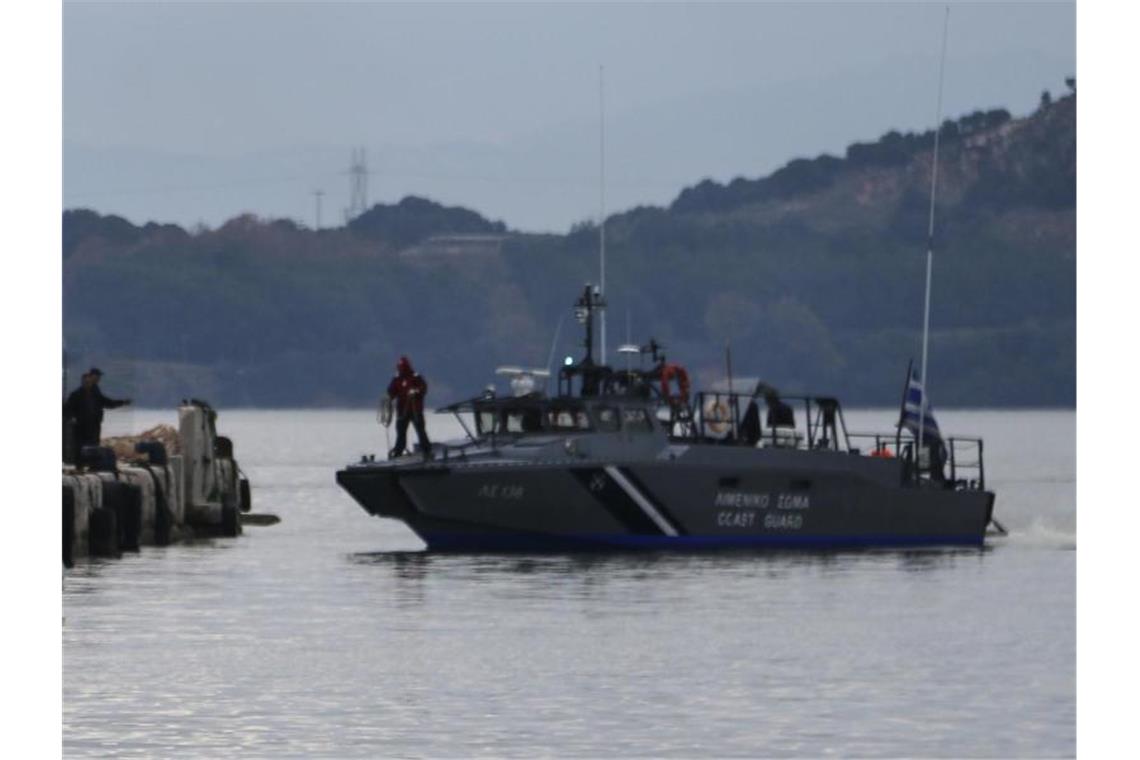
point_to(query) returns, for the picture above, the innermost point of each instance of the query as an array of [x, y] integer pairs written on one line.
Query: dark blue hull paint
[[520, 542]]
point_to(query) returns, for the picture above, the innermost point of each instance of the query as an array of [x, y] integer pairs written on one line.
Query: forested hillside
[[814, 274]]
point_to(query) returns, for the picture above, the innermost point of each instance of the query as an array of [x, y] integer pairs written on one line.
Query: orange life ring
[[668, 373], [883, 453]]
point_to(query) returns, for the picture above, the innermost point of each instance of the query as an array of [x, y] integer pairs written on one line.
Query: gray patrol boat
[[629, 459]]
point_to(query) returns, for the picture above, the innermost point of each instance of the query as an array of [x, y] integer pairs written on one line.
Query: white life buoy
[[716, 417]]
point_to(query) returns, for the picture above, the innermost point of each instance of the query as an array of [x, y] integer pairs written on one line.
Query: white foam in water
[[1044, 532]]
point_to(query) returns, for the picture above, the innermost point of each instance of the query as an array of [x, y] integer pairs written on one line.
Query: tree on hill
[[413, 219]]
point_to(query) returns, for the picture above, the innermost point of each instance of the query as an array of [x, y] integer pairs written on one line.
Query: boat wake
[[1044, 533]]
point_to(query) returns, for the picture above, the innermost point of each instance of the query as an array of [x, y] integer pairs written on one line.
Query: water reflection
[[925, 560], [632, 583], [655, 564]]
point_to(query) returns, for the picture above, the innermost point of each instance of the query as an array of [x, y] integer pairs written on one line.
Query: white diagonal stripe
[[640, 500]]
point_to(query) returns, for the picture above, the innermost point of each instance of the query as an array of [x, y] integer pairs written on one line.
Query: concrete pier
[[115, 504]]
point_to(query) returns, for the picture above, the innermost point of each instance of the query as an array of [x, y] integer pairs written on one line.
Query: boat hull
[[443, 540], [728, 499]]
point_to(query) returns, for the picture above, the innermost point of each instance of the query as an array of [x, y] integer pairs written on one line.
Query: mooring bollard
[[139, 478], [129, 515], [104, 533], [68, 526], [231, 525], [124, 499], [86, 495], [210, 476], [163, 519]]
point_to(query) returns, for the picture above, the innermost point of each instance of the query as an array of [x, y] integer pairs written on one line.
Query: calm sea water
[[332, 635]]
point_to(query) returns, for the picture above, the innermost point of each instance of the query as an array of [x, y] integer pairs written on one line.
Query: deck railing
[[964, 459], [886, 445], [721, 416]]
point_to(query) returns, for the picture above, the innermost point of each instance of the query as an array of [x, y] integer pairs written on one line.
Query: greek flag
[[915, 403]]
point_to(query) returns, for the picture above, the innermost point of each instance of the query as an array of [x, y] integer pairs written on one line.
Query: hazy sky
[[189, 112]]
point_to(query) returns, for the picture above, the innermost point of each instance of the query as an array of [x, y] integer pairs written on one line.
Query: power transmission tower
[[357, 185], [318, 194]]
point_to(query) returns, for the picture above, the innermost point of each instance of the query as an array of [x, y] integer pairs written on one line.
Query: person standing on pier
[[85, 406], [407, 390]]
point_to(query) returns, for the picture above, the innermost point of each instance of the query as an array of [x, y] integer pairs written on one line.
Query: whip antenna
[[553, 347], [930, 231], [602, 194]]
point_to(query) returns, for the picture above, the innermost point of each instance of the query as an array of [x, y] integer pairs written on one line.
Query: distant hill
[[813, 273], [415, 219]]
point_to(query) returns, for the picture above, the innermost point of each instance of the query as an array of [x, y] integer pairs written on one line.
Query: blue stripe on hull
[[505, 542]]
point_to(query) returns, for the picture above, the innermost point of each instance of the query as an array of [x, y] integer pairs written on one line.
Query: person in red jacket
[[407, 390]]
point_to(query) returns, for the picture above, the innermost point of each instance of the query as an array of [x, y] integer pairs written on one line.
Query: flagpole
[[930, 229]]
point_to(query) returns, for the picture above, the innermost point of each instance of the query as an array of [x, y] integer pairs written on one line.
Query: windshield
[[508, 419], [522, 420]]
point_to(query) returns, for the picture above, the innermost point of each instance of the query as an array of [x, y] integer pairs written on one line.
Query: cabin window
[[565, 418], [515, 421], [512, 422], [485, 422], [636, 420], [608, 419], [522, 421]]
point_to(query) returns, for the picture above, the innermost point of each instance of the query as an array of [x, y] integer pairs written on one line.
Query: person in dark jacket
[[85, 406], [779, 413], [407, 391]]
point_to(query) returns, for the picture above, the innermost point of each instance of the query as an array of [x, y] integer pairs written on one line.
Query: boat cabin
[[593, 398]]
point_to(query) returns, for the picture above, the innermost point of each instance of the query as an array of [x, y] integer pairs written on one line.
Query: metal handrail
[[967, 443], [895, 445], [814, 426]]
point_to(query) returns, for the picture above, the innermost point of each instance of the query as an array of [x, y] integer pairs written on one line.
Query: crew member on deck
[[780, 415], [85, 406], [407, 390]]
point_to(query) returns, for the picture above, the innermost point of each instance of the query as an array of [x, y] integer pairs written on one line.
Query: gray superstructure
[[621, 459]]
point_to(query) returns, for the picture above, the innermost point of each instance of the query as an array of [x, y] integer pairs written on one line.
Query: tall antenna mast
[[318, 194], [930, 232], [357, 184], [602, 194]]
